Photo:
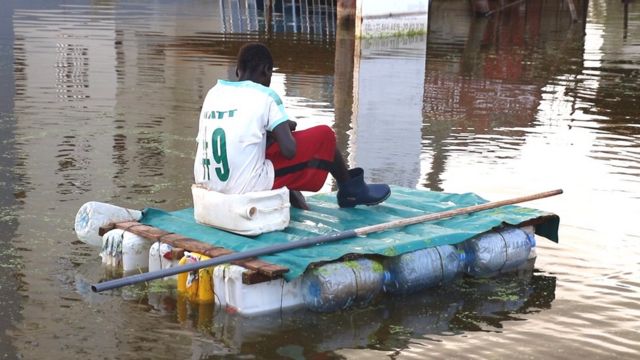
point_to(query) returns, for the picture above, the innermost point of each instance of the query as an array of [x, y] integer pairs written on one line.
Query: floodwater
[[99, 101]]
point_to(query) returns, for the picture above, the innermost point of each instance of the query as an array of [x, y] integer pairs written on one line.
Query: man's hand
[[292, 125], [297, 200], [284, 138]]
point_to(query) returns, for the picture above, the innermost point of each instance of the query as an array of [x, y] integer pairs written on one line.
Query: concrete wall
[[387, 18]]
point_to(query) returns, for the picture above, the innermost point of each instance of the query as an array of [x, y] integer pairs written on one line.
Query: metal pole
[[143, 277]]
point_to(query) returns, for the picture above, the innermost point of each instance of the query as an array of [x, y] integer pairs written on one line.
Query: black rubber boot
[[356, 192]]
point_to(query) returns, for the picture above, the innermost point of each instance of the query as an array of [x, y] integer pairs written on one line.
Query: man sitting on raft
[[247, 143]]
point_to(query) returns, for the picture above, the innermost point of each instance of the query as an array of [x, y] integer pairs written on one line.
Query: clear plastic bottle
[[92, 215], [421, 269], [336, 286], [497, 251]]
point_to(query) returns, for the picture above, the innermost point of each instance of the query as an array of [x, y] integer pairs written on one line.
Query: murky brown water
[[103, 107]]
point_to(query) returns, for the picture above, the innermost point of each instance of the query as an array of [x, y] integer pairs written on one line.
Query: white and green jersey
[[232, 137]]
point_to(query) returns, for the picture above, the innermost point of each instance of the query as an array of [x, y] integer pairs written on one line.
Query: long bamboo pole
[[315, 240]]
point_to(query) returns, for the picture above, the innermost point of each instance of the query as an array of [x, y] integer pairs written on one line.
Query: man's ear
[[268, 70]]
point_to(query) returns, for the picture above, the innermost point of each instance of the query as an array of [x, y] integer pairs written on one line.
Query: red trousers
[[307, 171]]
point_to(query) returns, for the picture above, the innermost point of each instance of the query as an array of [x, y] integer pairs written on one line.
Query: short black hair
[[252, 56]]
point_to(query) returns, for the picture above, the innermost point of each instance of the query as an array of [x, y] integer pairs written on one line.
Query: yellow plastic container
[[196, 286]]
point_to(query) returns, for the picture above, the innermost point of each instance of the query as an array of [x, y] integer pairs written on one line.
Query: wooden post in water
[[480, 7], [343, 87], [572, 10], [268, 15], [626, 18], [346, 11]]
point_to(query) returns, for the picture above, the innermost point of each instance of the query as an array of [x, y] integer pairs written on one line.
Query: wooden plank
[[106, 228], [261, 266], [253, 277], [266, 271]]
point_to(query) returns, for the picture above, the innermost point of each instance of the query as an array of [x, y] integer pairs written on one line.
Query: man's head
[[255, 63]]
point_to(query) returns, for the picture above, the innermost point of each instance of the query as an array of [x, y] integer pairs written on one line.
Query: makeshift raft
[[338, 275]]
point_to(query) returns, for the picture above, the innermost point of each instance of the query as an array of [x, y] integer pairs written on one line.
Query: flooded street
[[100, 100]]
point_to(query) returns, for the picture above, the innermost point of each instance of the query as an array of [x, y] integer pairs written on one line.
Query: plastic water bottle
[[497, 251], [421, 269], [337, 286], [92, 215]]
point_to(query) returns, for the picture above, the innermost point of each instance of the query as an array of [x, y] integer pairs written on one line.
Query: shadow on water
[[389, 325]]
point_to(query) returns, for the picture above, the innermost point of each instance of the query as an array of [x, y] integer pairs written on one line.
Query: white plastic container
[[246, 214], [92, 215], [255, 299], [161, 257], [111, 252], [135, 253], [122, 248]]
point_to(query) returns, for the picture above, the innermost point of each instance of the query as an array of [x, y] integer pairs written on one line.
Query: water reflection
[[483, 87], [11, 196], [382, 117], [98, 71], [500, 91], [390, 325], [103, 108]]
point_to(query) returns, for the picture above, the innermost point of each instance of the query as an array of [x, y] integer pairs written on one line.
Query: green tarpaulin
[[325, 217]]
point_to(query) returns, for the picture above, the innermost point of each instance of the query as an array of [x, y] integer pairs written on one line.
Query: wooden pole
[[346, 11], [451, 213], [315, 240], [480, 7], [625, 25], [572, 10], [268, 15]]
